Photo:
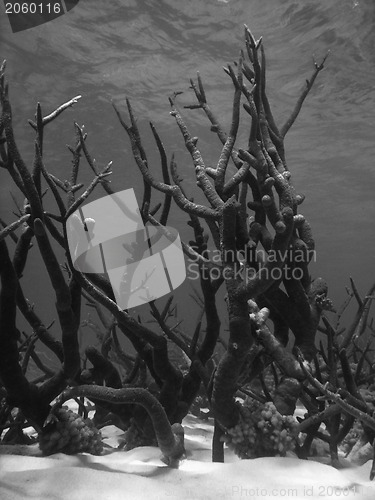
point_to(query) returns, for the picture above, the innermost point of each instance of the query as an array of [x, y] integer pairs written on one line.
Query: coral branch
[[170, 438], [309, 83], [13, 226], [57, 111], [336, 397], [231, 139], [190, 143], [69, 325]]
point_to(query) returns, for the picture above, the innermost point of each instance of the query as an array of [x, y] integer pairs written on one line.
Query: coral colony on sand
[[262, 431], [251, 221]]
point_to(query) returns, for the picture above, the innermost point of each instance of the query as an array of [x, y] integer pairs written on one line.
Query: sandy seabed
[[140, 474]]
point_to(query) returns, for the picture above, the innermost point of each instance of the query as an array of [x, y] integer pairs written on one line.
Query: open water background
[[148, 49]]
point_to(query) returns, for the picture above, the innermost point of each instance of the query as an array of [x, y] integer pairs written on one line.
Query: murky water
[[147, 50]]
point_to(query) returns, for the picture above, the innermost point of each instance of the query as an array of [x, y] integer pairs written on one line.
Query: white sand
[[140, 474]]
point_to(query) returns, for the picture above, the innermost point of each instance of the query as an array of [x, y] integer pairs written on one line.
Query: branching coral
[[251, 217]]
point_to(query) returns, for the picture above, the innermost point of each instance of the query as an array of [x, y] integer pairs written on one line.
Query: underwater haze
[[147, 50]]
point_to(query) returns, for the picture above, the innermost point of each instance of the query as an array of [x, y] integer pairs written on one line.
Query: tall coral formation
[[274, 225]]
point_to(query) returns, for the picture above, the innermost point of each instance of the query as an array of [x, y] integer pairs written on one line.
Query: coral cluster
[[262, 431], [69, 433]]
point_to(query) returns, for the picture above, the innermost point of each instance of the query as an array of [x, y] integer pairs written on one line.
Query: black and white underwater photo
[[187, 249]]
